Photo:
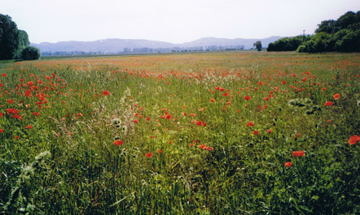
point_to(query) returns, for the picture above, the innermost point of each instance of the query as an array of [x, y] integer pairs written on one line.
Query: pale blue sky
[[170, 20]]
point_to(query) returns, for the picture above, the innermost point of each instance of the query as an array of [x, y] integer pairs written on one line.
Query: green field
[[205, 133]]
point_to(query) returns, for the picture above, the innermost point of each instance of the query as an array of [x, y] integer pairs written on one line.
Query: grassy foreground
[[214, 133]]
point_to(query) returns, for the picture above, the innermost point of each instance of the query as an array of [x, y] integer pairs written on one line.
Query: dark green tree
[[327, 26], [23, 42], [287, 43], [9, 38], [350, 42], [258, 45], [30, 53]]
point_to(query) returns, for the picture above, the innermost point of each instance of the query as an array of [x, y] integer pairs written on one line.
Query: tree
[[287, 43], [327, 26], [30, 53], [9, 38], [23, 42], [258, 45]]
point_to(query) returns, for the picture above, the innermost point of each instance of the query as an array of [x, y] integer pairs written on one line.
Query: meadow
[[203, 133]]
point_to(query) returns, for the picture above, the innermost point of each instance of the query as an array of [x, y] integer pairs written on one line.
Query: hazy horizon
[[171, 21]]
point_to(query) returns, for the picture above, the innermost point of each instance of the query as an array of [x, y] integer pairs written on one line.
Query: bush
[[321, 42], [350, 42], [30, 53], [287, 43]]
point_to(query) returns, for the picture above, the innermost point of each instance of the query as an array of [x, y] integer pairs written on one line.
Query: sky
[[174, 21]]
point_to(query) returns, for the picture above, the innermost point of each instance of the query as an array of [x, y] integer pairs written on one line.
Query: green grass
[[187, 147]]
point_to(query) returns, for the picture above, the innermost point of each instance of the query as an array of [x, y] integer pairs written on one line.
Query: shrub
[[30, 53]]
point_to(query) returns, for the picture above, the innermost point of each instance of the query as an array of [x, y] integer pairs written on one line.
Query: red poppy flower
[[247, 98], [36, 114], [118, 142], [288, 164], [328, 103], [205, 147], [2, 130], [269, 131], [12, 111], [354, 139], [10, 101], [4, 75], [149, 155], [29, 127], [166, 116], [337, 96], [135, 121], [199, 123], [255, 132], [106, 93], [250, 124], [219, 88], [28, 93], [212, 100], [16, 116], [298, 153]]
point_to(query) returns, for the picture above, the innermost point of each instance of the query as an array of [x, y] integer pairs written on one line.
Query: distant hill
[[115, 46], [212, 41]]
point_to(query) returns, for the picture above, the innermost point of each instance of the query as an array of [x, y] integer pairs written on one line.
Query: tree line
[[341, 35], [14, 43]]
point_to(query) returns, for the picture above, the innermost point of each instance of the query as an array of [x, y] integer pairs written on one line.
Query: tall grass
[[226, 133]]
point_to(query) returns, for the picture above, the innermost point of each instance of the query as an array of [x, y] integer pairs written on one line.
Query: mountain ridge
[[115, 45]]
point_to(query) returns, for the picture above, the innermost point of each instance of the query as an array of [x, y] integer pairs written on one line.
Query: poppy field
[[203, 133]]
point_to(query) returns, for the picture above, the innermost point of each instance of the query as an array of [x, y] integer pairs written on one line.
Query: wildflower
[[205, 147], [4, 75], [199, 123], [10, 101], [298, 153], [328, 103], [166, 116], [106, 93], [159, 151], [36, 114], [16, 116], [28, 93], [283, 82], [288, 164], [354, 139], [212, 100], [247, 98], [2, 130], [337, 96], [219, 88], [255, 132], [29, 127], [135, 121], [269, 131], [250, 124], [118, 142], [149, 155]]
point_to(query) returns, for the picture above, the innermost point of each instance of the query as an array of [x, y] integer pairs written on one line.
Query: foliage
[[287, 43], [331, 35], [12, 40], [258, 45], [23, 43], [202, 133], [30, 53], [9, 38]]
